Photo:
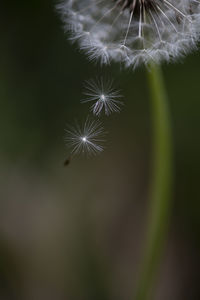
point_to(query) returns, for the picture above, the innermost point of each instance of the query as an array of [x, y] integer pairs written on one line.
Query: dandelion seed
[[133, 31], [86, 139], [104, 96]]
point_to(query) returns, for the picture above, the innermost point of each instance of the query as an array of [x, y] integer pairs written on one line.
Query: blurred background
[[77, 232]]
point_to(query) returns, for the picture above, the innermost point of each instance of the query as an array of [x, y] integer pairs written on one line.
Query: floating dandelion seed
[[133, 31], [87, 139], [104, 96]]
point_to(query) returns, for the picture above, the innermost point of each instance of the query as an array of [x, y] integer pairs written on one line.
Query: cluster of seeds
[[132, 31]]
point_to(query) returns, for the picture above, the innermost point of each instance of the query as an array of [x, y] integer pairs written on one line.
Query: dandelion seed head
[[86, 138], [133, 31], [103, 96]]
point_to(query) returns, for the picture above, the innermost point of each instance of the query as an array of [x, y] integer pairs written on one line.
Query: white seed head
[[103, 95], [133, 31], [86, 139]]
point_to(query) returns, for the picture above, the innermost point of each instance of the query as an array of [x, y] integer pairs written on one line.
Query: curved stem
[[161, 186]]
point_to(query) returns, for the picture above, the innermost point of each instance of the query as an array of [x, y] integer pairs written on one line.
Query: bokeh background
[[77, 232]]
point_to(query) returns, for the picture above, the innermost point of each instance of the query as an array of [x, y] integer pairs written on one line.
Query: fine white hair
[[132, 31], [103, 96], [86, 138]]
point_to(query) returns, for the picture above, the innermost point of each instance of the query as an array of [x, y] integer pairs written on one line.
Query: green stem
[[161, 186]]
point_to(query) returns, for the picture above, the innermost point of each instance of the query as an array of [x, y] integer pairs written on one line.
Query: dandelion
[[132, 31], [135, 32], [86, 139], [104, 96]]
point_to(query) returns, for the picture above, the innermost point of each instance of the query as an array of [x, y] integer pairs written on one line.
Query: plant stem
[[161, 185]]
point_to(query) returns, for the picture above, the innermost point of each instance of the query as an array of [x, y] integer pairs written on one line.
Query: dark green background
[[77, 232]]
